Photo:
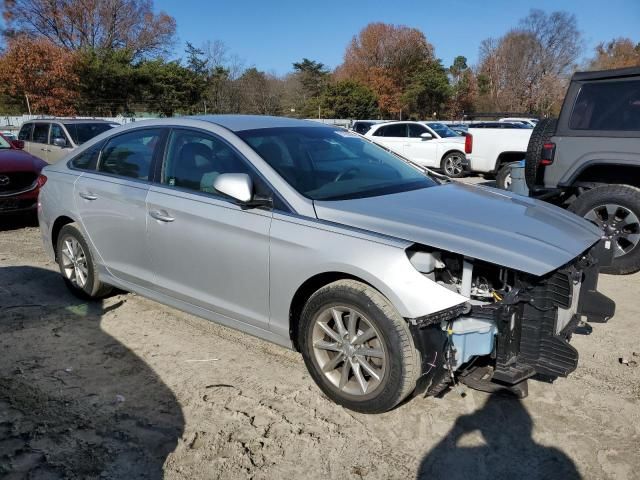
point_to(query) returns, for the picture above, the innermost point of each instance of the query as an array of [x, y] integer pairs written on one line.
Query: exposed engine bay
[[514, 325]]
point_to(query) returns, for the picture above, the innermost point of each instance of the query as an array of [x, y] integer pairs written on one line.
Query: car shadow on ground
[[15, 222], [74, 401], [508, 451]]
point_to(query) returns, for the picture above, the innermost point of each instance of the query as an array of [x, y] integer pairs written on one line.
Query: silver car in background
[[51, 139], [386, 278]]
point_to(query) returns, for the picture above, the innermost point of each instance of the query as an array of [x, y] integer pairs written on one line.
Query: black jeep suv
[[588, 159]]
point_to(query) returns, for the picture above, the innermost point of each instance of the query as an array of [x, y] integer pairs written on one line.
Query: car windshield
[[442, 130], [328, 164], [83, 132], [4, 143]]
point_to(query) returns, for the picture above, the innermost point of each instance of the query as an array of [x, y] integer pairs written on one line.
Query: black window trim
[[157, 173]]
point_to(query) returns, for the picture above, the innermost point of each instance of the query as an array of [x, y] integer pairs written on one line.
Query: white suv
[[429, 144]]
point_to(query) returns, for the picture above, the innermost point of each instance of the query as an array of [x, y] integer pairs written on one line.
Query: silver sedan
[[386, 277]]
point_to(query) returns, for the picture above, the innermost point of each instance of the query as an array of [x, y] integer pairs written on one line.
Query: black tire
[[627, 197], [541, 134], [402, 367], [448, 165], [93, 288], [503, 178]]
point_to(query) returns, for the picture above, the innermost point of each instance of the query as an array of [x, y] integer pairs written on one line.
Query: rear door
[[205, 248], [25, 134], [392, 136], [423, 151], [39, 145], [111, 202]]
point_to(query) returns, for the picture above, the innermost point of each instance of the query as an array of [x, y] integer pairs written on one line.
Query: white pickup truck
[[490, 150]]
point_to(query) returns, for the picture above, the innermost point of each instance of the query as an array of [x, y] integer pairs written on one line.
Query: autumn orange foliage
[[383, 57], [42, 71]]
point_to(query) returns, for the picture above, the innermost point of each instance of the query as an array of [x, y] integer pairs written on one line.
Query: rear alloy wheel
[[357, 348], [615, 209], [76, 264], [503, 178], [452, 165]]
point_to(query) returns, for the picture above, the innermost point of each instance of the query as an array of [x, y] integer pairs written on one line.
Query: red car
[[20, 179]]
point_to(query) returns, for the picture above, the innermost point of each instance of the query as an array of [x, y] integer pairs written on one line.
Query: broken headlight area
[[514, 325]]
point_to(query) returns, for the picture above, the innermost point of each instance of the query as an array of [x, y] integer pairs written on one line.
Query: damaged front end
[[514, 326]]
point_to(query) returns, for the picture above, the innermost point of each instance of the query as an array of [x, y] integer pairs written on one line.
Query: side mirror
[[235, 185], [60, 142], [426, 136], [239, 186], [19, 144]]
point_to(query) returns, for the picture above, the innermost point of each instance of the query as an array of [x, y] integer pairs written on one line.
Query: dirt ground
[[127, 388]]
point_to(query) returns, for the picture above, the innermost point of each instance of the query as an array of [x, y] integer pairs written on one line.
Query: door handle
[[45, 149], [161, 215], [88, 196]]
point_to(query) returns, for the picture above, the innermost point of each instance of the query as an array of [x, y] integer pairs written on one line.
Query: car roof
[[604, 74], [69, 120], [238, 123]]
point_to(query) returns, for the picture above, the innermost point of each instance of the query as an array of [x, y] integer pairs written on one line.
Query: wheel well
[[57, 226], [509, 157], [451, 151], [305, 291], [608, 173]]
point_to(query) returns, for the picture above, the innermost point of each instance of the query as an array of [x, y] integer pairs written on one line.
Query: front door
[[112, 204], [423, 151], [59, 144], [206, 250]]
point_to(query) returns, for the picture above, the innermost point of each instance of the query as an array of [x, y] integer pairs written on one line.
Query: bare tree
[[527, 69], [94, 24]]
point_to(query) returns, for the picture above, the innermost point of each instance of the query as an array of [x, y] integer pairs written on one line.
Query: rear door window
[[397, 130], [88, 159], [130, 154], [41, 133], [611, 105], [25, 132]]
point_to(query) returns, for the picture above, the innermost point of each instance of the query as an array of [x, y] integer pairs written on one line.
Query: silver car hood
[[479, 222]]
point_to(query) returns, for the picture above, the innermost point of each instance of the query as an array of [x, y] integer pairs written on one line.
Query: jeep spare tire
[[541, 134]]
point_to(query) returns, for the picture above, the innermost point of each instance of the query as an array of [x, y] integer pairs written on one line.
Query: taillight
[[547, 154], [468, 143], [42, 179]]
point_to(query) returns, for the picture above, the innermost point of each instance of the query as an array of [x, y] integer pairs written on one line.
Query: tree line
[[110, 57]]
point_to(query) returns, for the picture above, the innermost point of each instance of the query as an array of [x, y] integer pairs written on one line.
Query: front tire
[[358, 348], [615, 209], [452, 165], [76, 264]]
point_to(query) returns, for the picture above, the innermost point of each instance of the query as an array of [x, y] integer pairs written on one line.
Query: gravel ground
[[127, 388]]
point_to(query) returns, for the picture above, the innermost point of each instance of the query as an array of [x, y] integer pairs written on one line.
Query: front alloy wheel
[[348, 350], [357, 347], [453, 166]]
